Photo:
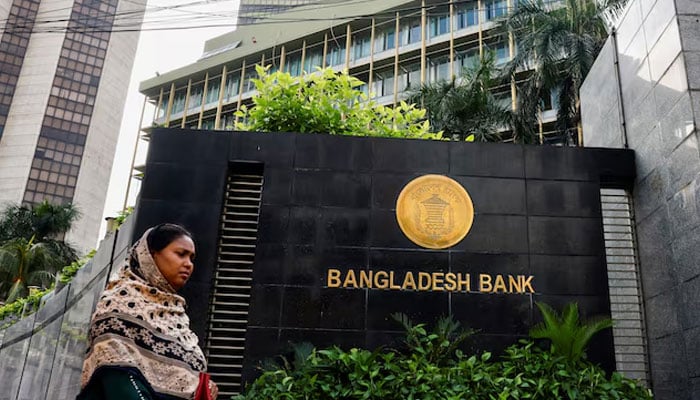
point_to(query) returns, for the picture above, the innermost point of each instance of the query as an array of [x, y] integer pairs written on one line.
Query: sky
[[161, 49]]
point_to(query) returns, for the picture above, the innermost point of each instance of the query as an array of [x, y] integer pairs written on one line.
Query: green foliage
[[27, 305], [122, 215], [557, 46], [41, 221], [69, 271], [433, 367], [24, 263], [31, 247], [326, 102], [465, 108], [568, 335]]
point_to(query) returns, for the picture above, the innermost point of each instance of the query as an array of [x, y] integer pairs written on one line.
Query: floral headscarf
[[140, 322]]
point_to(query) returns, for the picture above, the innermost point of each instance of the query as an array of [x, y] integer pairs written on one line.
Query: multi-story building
[[392, 45], [64, 71], [250, 11]]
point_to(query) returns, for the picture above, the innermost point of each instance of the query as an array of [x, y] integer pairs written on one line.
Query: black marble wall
[[328, 202]]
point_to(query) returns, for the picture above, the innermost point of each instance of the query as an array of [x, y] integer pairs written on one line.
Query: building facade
[[64, 72], [251, 11], [643, 93], [393, 46]]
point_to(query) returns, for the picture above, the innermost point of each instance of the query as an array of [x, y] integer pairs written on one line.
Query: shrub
[[69, 271], [432, 367], [326, 102]]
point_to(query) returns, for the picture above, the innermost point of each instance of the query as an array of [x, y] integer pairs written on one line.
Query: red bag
[[203, 392]]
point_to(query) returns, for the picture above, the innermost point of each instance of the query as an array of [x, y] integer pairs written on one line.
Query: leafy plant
[[432, 367], [568, 335], [122, 215], [465, 108], [557, 46], [69, 271], [24, 263], [326, 102], [22, 306]]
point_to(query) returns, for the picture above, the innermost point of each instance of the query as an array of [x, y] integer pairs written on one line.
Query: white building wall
[[29, 102], [5, 8], [96, 166]]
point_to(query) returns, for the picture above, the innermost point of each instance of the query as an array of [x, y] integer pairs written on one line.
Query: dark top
[[119, 383]]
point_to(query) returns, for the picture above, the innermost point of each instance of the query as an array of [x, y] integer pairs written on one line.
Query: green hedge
[[431, 367]]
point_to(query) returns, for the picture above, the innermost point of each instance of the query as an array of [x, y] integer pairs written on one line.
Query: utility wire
[[265, 20]]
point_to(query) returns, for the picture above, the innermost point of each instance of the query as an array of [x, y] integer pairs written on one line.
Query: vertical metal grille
[[228, 312], [625, 289]]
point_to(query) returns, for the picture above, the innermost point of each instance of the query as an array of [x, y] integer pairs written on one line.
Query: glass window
[[196, 96], [496, 8], [502, 55], [410, 32], [439, 25], [232, 85], [213, 90], [439, 69], [384, 40], [361, 47], [294, 65], [335, 56], [467, 15], [313, 59], [179, 101]]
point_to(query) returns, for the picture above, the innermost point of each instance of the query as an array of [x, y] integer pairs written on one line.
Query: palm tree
[[465, 107], [557, 46], [32, 248], [24, 263], [43, 221], [567, 334]]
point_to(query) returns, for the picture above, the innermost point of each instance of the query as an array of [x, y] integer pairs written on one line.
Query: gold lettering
[[485, 283], [366, 279], [380, 280], [333, 280], [450, 282], [514, 284], [391, 281], [466, 282], [438, 279], [350, 279], [500, 284], [423, 281], [527, 283], [408, 281]]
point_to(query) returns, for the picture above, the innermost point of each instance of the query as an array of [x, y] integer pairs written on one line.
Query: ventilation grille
[[625, 289], [228, 312]]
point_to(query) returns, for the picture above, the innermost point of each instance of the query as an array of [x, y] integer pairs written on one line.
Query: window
[[467, 15], [384, 40], [232, 86], [496, 8], [360, 47], [294, 65], [313, 60], [335, 56], [439, 69], [439, 25], [213, 90], [410, 32]]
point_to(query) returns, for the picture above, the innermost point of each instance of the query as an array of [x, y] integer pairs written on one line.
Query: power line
[[124, 25]]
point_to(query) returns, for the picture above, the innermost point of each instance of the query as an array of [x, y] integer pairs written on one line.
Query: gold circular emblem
[[434, 211]]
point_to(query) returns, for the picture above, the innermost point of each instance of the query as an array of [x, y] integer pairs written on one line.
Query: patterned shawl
[[140, 322]]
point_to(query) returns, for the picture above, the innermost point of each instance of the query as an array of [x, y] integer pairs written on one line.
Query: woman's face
[[175, 261]]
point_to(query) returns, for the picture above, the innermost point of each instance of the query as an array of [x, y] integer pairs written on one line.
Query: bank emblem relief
[[434, 211]]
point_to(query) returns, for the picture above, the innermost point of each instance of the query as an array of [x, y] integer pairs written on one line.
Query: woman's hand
[[213, 389]]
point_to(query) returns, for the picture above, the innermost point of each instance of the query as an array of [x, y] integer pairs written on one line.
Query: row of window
[[13, 47], [64, 130], [465, 16]]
